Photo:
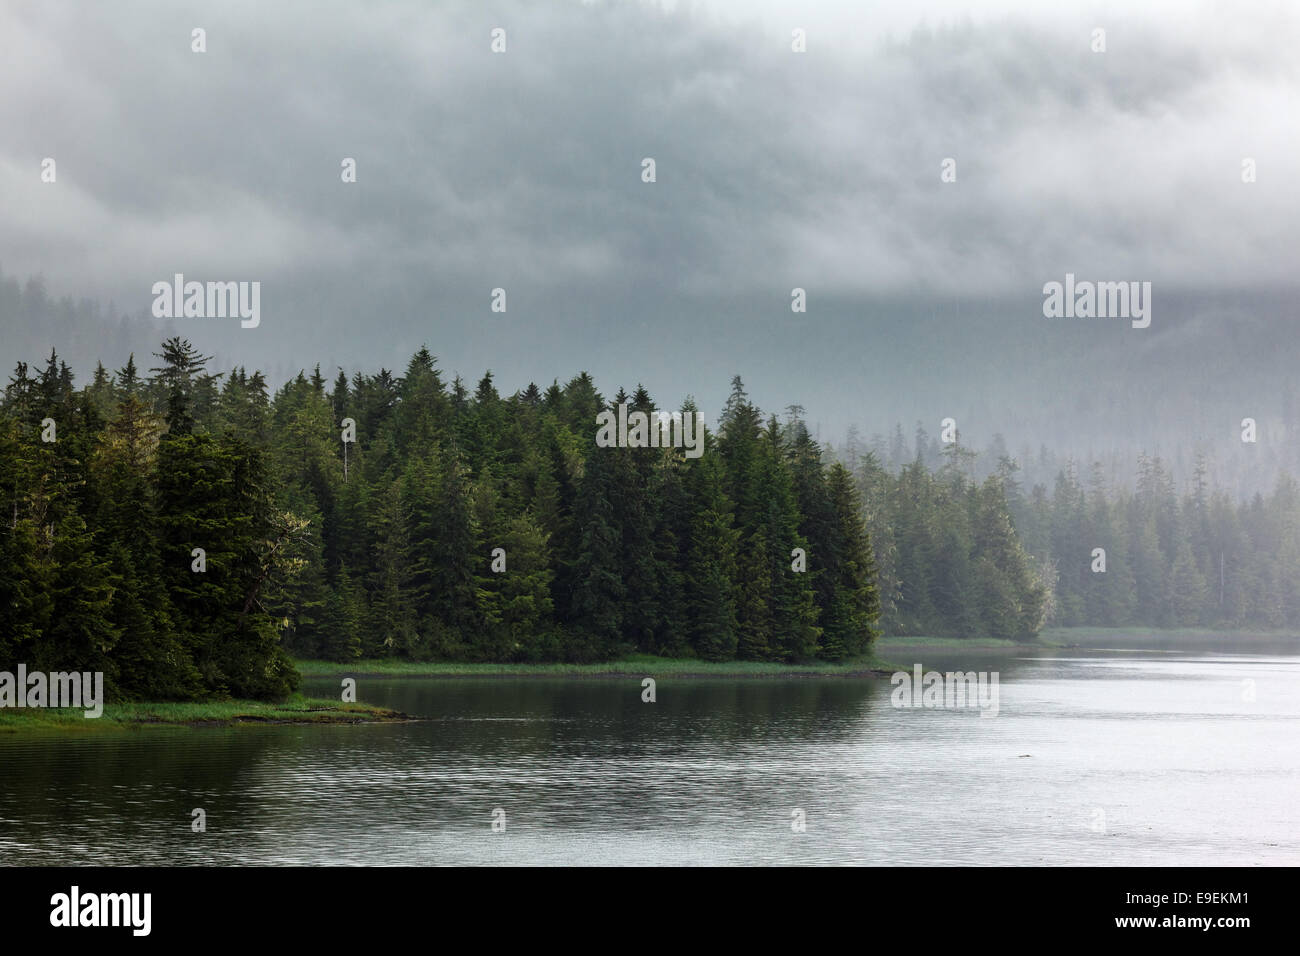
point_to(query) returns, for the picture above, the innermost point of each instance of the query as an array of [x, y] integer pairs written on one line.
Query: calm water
[[1096, 757]]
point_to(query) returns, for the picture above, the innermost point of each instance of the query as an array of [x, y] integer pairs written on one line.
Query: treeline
[[182, 530], [1170, 560]]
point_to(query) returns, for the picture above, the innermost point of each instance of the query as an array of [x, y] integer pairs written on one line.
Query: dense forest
[[189, 532], [185, 532]]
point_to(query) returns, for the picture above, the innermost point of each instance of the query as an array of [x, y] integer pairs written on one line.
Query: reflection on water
[[1096, 758]]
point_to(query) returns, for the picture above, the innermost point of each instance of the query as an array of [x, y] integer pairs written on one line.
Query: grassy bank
[[636, 665], [880, 662], [296, 710]]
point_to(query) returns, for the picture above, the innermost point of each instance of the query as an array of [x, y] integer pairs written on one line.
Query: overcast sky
[[775, 169]]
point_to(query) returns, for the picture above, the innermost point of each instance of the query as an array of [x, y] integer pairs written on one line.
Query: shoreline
[[631, 667], [133, 715], [876, 664]]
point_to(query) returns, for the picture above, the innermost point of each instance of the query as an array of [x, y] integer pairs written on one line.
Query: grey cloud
[[522, 171]]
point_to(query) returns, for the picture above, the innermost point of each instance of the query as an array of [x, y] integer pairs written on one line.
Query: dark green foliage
[[710, 541], [458, 524], [599, 587], [851, 603]]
